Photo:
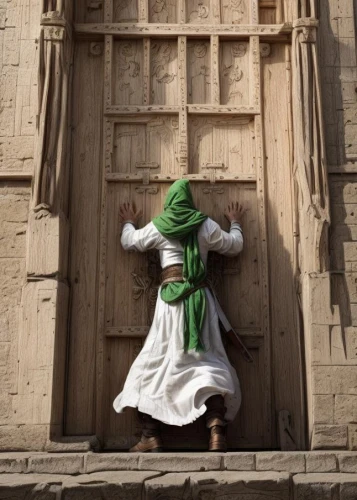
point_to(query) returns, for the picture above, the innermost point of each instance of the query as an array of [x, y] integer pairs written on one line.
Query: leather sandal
[[148, 445], [218, 441]]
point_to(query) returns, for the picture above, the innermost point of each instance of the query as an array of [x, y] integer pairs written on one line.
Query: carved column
[[44, 303], [311, 188]]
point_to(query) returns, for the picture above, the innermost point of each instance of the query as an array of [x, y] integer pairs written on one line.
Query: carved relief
[[163, 11], [125, 11], [234, 11], [198, 11], [164, 72], [198, 72], [146, 286], [234, 73], [128, 72]]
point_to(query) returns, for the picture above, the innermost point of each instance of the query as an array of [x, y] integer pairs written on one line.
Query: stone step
[[84, 463], [149, 485]]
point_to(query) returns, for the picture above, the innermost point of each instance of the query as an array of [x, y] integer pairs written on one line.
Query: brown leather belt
[[171, 274]]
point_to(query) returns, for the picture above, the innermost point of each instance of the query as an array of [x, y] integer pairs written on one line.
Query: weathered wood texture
[[286, 348], [84, 216]]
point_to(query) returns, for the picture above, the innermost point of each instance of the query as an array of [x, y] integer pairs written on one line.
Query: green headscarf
[[180, 221]]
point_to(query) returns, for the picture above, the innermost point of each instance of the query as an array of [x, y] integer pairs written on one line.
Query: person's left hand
[[129, 213]]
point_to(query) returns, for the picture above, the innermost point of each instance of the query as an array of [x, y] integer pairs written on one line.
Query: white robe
[[164, 381]]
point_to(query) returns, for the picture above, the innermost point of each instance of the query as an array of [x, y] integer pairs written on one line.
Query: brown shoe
[[148, 445], [218, 441]]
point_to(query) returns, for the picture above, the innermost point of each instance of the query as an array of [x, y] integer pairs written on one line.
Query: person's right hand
[[234, 212], [129, 213]]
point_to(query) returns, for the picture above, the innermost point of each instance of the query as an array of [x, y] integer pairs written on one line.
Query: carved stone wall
[[19, 32]]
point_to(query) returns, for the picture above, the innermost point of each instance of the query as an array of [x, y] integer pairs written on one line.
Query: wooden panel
[[239, 274], [148, 145], [199, 71], [234, 72], [127, 72], [163, 11], [121, 431], [164, 79], [249, 427], [226, 141], [198, 11], [88, 11], [285, 334], [84, 216], [235, 11], [125, 11], [131, 284]]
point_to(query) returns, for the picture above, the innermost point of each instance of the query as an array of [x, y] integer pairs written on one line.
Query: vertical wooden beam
[[108, 11], [254, 61], [108, 68], [254, 12], [265, 312], [215, 83], [181, 11], [182, 74], [143, 11], [216, 12], [146, 71]]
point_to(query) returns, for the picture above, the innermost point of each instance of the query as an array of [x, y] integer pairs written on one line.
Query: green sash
[[180, 221]]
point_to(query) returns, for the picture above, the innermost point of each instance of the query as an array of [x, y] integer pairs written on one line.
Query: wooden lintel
[[117, 177], [152, 30]]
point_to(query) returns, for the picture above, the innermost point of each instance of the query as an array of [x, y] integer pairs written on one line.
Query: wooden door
[[183, 95]]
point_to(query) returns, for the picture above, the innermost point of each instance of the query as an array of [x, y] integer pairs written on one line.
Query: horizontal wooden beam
[[142, 331], [194, 30], [117, 177], [8, 175], [205, 109]]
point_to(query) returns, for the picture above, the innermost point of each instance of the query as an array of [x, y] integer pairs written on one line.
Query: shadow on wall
[[338, 63]]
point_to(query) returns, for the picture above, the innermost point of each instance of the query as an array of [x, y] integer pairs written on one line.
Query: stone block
[[23, 437], [321, 462], [169, 486], [95, 462], [347, 462], [353, 314], [180, 462], [35, 486], [352, 437], [11, 47], [323, 409], [329, 437], [13, 463], [320, 345], [20, 148], [347, 48], [237, 485], [239, 461], [345, 408], [334, 380], [108, 485], [47, 243], [7, 122], [320, 299], [323, 486], [57, 464], [351, 282], [281, 461]]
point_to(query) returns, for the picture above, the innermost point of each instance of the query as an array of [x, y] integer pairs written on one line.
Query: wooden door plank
[[215, 92], [84, 215], [108, 68]]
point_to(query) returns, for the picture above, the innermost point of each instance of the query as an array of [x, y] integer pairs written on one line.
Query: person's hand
[[234, 212], [129, 213]]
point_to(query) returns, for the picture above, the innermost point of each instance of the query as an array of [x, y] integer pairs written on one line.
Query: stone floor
[[204, 476]]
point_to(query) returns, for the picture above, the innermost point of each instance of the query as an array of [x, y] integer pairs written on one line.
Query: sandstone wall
[[334, 347], [19, 31]]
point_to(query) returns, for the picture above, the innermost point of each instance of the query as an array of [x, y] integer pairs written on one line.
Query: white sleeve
[[220, 241], [139, 239]]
